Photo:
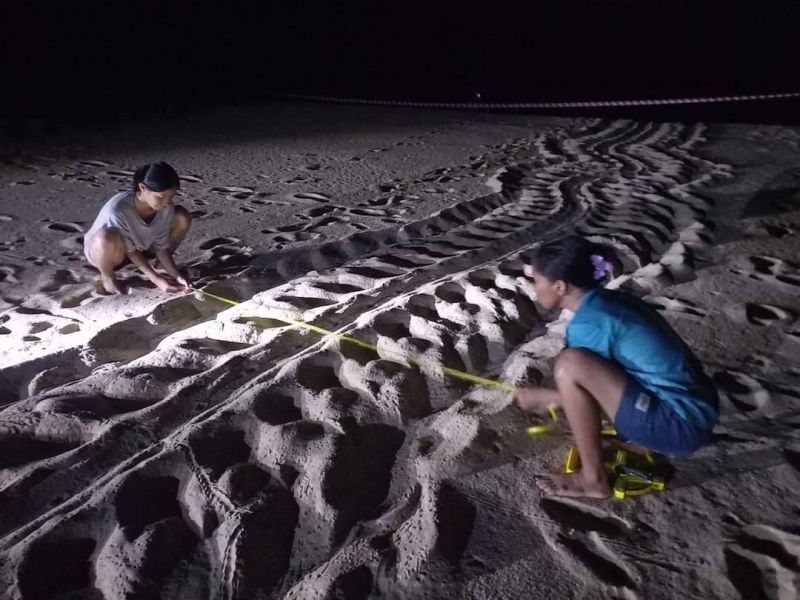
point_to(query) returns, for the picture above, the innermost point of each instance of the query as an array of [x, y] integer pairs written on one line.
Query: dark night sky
[[69, 60]]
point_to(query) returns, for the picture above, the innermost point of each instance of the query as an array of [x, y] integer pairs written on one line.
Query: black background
[[68, 63]]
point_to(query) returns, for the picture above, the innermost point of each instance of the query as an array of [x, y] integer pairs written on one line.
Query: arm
[[138, 259], [537, 399], [164, 256]]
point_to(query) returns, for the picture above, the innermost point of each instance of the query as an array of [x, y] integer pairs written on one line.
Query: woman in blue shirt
[[622, 360]]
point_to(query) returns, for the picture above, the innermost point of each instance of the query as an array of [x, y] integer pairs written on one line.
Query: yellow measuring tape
[[455, 373]]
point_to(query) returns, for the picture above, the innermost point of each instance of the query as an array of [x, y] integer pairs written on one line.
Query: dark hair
[[156, 176], [574, 260]]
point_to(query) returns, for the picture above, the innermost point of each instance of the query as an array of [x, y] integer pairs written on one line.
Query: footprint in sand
[[300, 236], [766, 314], [64, 227], [286, 228], [676, 305], [8, 274], [323, 210], [39, 327], [191, 178], [573, 514], [59, 279], [792, 456], [584, 531], [163, 521], [304, 303], [601, 560], [768, 265], [773, 269], [778, 231], [220, 241], [120, 173], [39, 261], [383, 201], [300, 179], [770, 231], [762, 562], [337, 288], [450, 292], [371, 212], [280, 241], [314, 196], [238, 192], [324, 223], [355, 583], [744, 392]]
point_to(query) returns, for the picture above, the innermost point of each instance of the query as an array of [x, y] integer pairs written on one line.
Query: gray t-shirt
[[120, 213]]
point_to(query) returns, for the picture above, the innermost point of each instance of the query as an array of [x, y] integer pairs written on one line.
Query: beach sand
[[170, 446]]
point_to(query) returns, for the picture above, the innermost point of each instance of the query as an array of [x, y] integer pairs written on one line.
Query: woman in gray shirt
[[137, 221]]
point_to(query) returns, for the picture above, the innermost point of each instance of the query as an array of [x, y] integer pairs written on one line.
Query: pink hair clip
[[601, 267]]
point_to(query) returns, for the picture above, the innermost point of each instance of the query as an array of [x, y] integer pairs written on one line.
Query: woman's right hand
[[536, 399], [167, 285]]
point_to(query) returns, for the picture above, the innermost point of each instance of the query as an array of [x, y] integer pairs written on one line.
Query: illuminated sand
[[166, 445]]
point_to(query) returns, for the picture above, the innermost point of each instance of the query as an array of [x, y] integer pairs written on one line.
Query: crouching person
[[142, 220], [622, 360]]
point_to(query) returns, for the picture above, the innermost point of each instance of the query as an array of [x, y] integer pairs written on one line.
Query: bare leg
[[107, 250], [588, 387]]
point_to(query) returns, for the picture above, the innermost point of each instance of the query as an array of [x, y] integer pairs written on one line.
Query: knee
[[182, 219], [107, 246], [569, 365], [108, 239]]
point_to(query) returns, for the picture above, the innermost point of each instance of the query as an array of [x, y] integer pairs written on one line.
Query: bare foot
[[110, 285], [573, 484]]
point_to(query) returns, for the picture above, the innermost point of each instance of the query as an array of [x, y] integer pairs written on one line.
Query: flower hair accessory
[[601, 267]]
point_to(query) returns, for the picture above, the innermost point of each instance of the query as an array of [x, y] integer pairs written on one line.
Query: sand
[[159, 445]]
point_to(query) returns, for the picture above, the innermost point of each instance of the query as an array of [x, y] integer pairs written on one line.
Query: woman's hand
[[185, 282], [167, 285]]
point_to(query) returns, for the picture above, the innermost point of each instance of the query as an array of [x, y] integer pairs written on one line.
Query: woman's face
[[548, 293], [156, 200]]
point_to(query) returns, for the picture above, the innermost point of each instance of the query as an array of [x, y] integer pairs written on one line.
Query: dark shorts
[[645, 420]]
